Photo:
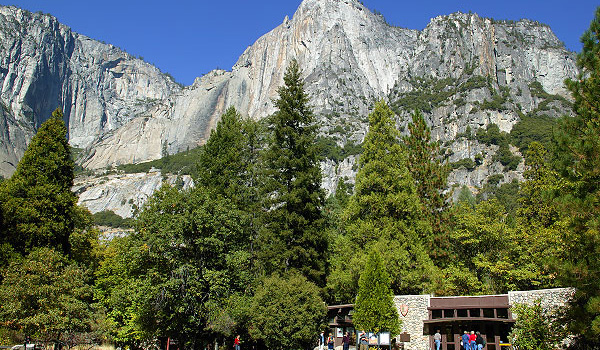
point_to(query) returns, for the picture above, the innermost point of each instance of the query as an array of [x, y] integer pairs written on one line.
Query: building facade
[[423, 315]]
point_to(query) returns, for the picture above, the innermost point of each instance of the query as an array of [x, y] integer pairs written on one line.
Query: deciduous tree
[[46, 297], [287, 312]]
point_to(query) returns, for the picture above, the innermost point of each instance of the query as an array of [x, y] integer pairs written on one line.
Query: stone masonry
[[412, 323], [550, 298]]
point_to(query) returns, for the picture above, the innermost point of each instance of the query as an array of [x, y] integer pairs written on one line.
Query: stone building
[[423, 315]]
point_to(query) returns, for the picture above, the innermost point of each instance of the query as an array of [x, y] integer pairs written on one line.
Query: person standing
[[322, 341], [465, 341], [479, 341], [330, 342], [364, 342], [236, 342], [472, 339], [346, 341], [437, 338]]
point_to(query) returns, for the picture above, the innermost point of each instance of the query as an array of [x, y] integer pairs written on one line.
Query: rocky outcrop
[[122, 193], [122, 110]]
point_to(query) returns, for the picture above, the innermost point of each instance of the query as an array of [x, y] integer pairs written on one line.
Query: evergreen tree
[[374, 310], [227, 162], [292, 236], [430, 176], [579, 151], [38, 205], [384, 213]]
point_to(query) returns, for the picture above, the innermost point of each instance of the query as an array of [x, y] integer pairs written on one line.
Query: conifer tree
[[38, 205], [227, 164], [384, 213], [579, 151], [374, 310], [430, 176], [292, 236]]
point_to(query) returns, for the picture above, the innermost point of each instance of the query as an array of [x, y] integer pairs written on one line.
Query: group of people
[[331, 341], [473, 341]]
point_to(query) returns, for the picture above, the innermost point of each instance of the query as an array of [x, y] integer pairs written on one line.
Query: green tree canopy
[[187, 256], [384, 212], [38, 205], [374, 310], [536, 328], [46, 297], [292, 236], [287, 312], [228, 161]]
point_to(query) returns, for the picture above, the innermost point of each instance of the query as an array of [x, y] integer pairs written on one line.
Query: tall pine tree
[[430, 177], [37, 202], [292, 236], [227, 164], [579, 151]]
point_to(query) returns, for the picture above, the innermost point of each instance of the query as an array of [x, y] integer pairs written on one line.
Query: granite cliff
[[463, 71]]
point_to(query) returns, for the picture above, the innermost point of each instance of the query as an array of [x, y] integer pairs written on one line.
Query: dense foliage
[[536, 328], [287, 312], [292, 236], [38, 205], [47, 245], [374, 310], [579, 164]]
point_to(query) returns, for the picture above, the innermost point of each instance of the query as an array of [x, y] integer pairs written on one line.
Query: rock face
[[122, 110], [44, 65], [122, 193]]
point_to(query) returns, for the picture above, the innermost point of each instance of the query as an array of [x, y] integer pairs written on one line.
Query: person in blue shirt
[[465, 341]]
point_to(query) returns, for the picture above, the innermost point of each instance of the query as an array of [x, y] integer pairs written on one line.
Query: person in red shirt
[[472, 339], [236, 343]]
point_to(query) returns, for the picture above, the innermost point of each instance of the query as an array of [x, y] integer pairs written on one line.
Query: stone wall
[[412, 323], [550, 298]]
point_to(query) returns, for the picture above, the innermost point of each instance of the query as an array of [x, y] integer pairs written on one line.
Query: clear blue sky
[[188, 38]]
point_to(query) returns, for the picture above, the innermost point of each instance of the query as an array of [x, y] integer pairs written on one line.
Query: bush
[[110, 219], [506, 158], [467, 163], [535, 329], [287, 313]]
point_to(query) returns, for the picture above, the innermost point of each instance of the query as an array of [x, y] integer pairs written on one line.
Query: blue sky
[[188, 38]]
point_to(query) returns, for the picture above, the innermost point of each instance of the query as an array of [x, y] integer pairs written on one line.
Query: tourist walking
[[236, 342], [437, 338], [363, 341]]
